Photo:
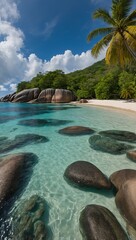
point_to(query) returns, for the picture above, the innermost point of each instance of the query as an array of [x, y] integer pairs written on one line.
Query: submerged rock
[[126, 202], [21, 140], [132, 155], [120, 135], [29, 219], [85, 174], [98, 223], [120, 177], [106, 144], [76, 131], [42, 122]]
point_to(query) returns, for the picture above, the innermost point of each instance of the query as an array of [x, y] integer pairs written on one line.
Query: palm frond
[[104, 15], [99, 31], [117, 52], [131, 16], [101, 44], [120, 8]]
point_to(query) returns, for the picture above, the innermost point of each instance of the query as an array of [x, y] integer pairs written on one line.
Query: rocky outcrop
[[85, 174], [106, 144], [120, 177], [132, 155], [62, 96], [45, 96], [97, 222], [76, 130], [126, 202], [26, 95]]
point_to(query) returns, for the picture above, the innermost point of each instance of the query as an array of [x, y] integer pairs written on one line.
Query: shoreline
[[116, 104]]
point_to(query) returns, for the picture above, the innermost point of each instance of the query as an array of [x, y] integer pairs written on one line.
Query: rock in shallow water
[[106, 144], [98, 223], [15, 172], [42, 122], [29, 219], [85, 174], [126, 201], [120, 177], [119, 135], [76, 131], [21, 140], [132, 155]]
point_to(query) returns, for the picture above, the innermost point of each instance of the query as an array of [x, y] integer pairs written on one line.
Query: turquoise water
[[66, 202]]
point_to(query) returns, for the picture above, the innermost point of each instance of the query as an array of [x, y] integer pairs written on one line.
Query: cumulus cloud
[[8, 10], [15, 67]]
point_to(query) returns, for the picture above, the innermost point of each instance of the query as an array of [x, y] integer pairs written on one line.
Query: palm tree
[[119, 36]]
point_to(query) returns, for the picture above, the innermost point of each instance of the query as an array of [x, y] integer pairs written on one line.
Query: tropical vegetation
[[97, 81], [119, 35]]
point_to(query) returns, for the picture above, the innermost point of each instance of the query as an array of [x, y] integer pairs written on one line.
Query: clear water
[[66, 202]]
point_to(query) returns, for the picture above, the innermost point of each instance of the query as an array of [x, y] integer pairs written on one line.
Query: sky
[[44, 35]]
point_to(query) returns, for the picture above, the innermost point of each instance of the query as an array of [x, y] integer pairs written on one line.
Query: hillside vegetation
[[97, 81]]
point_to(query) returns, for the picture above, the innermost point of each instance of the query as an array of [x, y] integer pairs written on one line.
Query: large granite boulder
[[98, 223], [14, 172], [76, 130], [29, 219], [26, 95], [46, 95], [85, 174], [120, 135], [62, 96], [126, 202], [106, 144], [120, 177], [132, 155]]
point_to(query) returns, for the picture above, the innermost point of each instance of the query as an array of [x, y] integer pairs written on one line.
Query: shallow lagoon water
[[66, 202]]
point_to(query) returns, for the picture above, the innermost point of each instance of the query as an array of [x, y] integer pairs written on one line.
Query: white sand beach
[[120, 104]]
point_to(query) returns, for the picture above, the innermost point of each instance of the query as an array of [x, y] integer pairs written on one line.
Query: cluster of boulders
[[97, 222], [34, 95]]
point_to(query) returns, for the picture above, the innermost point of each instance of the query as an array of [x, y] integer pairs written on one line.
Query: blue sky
[[44, 35]]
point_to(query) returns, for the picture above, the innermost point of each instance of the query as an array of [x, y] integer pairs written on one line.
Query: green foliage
[[107, 87], [127, 83], [97, 81]]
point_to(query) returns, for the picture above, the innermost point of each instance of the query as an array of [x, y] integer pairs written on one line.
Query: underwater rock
[[15, 171], [131, 155], [28, 219], [21, 140], [85, 174], [3, 139], [126, 202], [118, 178], [106, 144], [119, 135], [97, 222], [76, 131], [42, 122]]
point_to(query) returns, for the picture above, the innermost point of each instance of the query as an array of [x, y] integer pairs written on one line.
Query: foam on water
[[66, 202]]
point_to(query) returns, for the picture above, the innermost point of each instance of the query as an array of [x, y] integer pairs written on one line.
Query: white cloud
[[13, 87], [2, 88], [14, 67], [8, 10]]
